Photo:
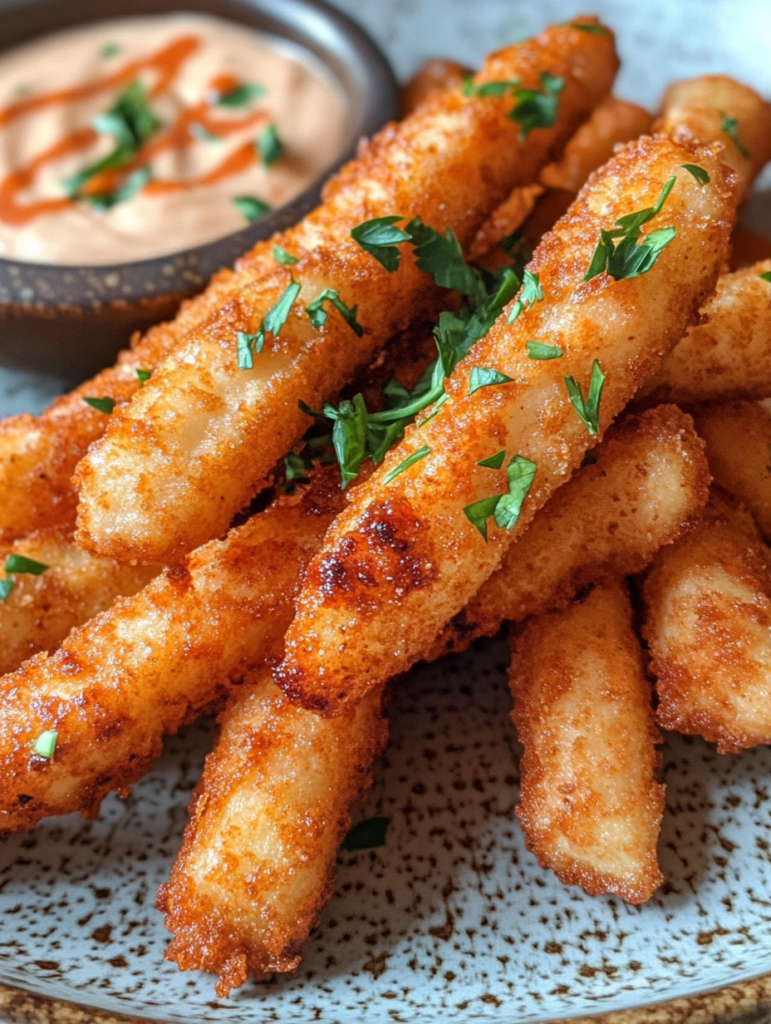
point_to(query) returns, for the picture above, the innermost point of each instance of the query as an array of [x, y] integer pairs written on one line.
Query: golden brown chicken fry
[[267, 819], [405, 557], [153, 662], [729, 355], [41, 610], [717, 107], [193, 445], [649, 483], [708, 626], [738, 445], [590, 806], [431, 78]]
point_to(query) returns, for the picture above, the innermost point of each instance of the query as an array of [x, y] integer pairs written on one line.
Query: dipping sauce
[[139, 137]]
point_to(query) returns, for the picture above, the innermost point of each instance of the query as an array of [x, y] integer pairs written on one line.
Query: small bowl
[[71, 321]]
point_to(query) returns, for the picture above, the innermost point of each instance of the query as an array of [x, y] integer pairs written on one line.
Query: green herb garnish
[[349, 436], [6, 586], [241, 95], [109, 50], [282, 256], [367, 834], [318, 315], [505, 508], [272, 323], [588, 410], [540, 350], [483, 377], [144, 376], [380, 237], [421, 453], [250, 207], [532, 292], [588, 27], [494, 461], [631, 257], [730, 125], [478, 513], [488, 89], [269, 145], [296, 470], [45, 744], [441, 257], [537, 109], [105, 405], [20, 563], [766, 276], [697, 172]]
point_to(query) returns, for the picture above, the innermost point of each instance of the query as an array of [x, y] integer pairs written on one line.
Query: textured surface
[[452, 917]]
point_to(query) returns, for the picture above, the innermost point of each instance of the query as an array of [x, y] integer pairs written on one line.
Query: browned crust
[[589, 736]]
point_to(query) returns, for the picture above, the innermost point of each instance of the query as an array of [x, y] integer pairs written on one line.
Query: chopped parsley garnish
[[45, 744], [589, 27], [318, 315], [697, 172], [380, 237], [131, 122], [508, 85], [540, 350], [367, 834], [282, 256], [441, 257], [766, 276], [730, 125], [349, 436], [241, 95], [296, 470], [588, 410], [250, 207], [109, 50], [538, 109], [421, 453], [483, 377], [632, 256], [6, 586], [532, 292], [269, 145], [272, 323], [105, 405], [20, 563], [504, 508], [494, 461], [144, 376]]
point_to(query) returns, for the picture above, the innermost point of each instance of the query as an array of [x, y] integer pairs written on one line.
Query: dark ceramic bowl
[[71, 321]]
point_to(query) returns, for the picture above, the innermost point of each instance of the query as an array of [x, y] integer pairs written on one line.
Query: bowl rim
[[349, 54]]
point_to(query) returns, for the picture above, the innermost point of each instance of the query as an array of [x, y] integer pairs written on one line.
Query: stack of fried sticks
[[514, 497]]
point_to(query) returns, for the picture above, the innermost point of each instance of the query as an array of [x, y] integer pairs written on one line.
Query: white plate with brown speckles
[[451, 919]]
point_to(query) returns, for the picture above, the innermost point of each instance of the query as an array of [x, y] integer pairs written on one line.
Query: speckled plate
[[452, 920]]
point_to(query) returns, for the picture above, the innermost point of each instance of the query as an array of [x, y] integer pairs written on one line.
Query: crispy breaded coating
[[738, 446], [593, 144], [729, 355], [590, 805], [403, 558], [41, 610], [708, 626], [432, 77], [153, 662], [703, 109], [268, 816], [650, 481], [193, 445]]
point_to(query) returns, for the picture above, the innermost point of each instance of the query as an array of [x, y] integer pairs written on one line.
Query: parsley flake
[[269, 145], [349, 436], [538, 109], [766, 276], [6, 586], [494, 461], [730, 125], [241, 95], [632, 256], [250, 207], [520, 473], [478, 513], [488, 89], [483, 377], [20, 563], [318, 315], [367, 834], [540, 350], [532, 292], [589, 27], [296, 470], [282, 256], [272, 323], [416, 456], [697, 172], [442, 257], [105, 405], [45, 744], [588, 410], [379, 237], [144, 376], [246, 346]]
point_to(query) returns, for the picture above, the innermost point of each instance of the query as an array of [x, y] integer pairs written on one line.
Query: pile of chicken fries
[[504, 373]]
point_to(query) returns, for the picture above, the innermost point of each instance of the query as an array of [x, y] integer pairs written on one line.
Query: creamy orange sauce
[[183, 176]]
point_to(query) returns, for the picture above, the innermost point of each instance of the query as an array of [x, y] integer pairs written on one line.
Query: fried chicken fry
[[404, 558], [738, 445], [649, 483], [41, 610], [267, 819], [193, 445], [432, 78], [708, 625], [153, 662], [715, 107], [729, 356], [590, 806]]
